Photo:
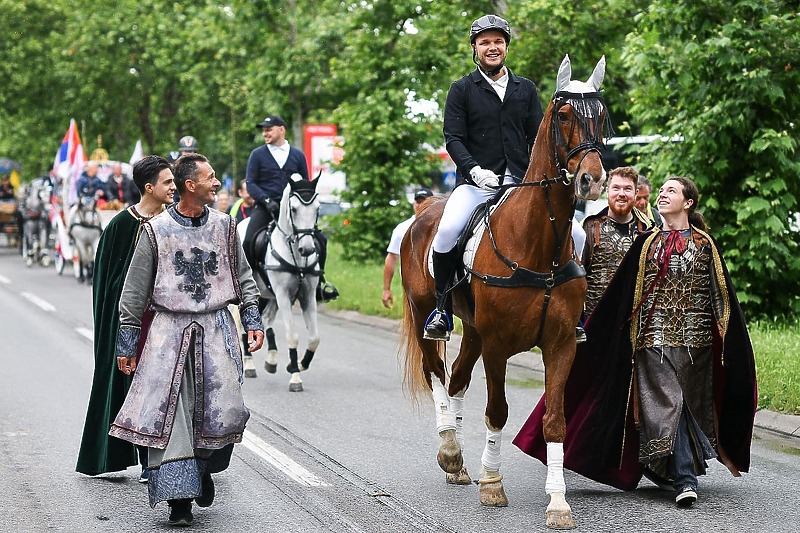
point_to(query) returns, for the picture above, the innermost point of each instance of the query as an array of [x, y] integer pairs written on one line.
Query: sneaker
[[580, 335], [206, 498], [686, 497], [659, 481], [144, 477], [180, 513]]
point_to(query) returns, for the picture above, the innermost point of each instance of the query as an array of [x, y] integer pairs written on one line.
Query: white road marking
[[281, 461], [4, 279], [35, 300], [85, 332]]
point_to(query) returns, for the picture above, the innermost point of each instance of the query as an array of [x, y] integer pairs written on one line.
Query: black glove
[[272, 207]]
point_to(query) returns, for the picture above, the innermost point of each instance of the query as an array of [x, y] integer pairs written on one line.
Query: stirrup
[[438, 326], [580, 335], [326, 292]]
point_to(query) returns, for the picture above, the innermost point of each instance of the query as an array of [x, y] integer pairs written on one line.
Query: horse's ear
[[596, 79], [315, 181], [564, 74]]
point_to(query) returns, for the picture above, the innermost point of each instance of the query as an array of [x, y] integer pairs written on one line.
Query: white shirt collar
[[500, 85]]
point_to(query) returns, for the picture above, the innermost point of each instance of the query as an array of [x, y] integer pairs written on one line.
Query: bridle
[[306, 197], [559, 274]]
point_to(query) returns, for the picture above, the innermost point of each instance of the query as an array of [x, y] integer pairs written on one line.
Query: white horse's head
[[299, 212]]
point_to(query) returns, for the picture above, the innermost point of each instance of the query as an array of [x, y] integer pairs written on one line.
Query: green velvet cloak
[[99, 452]]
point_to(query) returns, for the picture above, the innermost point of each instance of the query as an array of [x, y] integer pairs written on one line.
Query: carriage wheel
[[59, 262]]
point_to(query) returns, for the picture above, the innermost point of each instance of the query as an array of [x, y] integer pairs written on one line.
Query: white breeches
[[459, 207]]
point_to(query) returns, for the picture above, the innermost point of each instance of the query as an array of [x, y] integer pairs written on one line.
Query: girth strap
[[522, 277]]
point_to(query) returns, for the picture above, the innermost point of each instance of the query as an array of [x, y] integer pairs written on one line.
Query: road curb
[[783, 424]]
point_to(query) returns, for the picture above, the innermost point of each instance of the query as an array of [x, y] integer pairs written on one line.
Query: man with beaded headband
[[185, 402], [666, 379]]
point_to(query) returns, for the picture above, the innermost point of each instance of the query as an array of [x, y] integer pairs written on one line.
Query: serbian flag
[[69, 161]]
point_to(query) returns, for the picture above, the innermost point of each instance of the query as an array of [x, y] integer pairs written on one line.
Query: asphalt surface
[[786, 426]]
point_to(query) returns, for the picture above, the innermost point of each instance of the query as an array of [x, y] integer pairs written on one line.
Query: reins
[[523, 277], [291, 240]]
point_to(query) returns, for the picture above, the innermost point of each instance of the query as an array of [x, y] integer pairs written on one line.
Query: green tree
[[543, 32], [32, 83], [395, 53], [721, 74]]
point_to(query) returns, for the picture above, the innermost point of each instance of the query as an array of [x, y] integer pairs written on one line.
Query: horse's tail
[[415, 383]]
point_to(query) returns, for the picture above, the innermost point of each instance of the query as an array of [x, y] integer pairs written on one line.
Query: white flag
[[138, 153]]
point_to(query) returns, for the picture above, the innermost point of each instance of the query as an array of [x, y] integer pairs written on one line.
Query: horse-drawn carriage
[[10, 225], [78, 228]]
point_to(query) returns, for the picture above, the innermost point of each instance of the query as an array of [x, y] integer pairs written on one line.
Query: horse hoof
[[270, 367], [461, 478], [295, 384], [249, 367], [559, 513], [559, 520], [491, 490], [449, 456]]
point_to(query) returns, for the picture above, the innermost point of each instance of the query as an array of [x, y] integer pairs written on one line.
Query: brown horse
[[526, 286]]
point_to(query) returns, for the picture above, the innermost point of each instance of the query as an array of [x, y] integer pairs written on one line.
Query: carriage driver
[[268, 171], [491, 117]]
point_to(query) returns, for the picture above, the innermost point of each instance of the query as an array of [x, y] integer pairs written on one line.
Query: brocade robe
[[190, 372]]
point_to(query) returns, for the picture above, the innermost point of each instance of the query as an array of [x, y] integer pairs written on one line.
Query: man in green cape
[[100, 453]]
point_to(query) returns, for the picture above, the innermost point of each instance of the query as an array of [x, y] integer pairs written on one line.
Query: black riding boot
[[440, 322], [325, 290]]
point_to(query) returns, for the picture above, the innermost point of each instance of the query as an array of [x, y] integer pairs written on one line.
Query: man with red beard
[[610, 233]]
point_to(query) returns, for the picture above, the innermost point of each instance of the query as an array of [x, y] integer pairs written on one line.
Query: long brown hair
[[690, 192]]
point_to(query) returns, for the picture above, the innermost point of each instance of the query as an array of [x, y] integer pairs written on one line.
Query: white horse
[[84, 229], [290, 267], [36, 225]]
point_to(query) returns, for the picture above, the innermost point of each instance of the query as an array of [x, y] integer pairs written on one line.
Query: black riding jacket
[[479, 129]]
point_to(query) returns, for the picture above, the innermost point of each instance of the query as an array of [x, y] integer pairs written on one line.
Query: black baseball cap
[[272, 120], [422, 193]]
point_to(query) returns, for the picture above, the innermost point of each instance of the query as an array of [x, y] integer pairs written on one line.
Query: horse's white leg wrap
[[445, 419], [457, 407], [490, 460], [555, 469]]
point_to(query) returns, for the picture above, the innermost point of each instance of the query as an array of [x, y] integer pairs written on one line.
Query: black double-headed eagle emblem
[[195, 271]]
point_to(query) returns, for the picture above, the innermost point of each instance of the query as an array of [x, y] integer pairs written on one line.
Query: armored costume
[[607, 242], [185, 403], [667, 347]]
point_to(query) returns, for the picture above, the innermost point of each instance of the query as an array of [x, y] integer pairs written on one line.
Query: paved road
[[347, 454]]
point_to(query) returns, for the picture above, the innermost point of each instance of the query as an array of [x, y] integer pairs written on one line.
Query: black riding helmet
[[489, 22], [187, 144]]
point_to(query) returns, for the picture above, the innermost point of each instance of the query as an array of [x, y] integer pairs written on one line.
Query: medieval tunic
[[607, 242], [185, 401], [679, 301], [100, 453], [627, 377]]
